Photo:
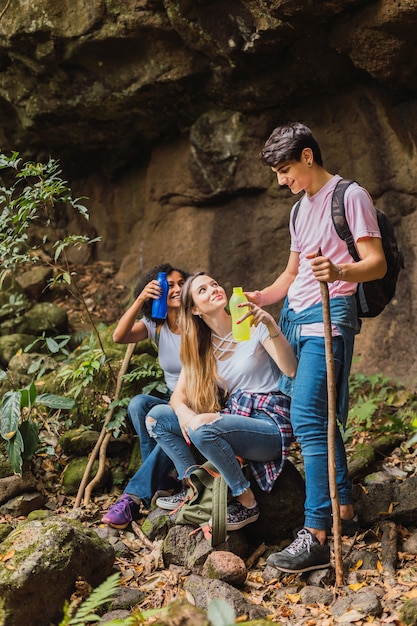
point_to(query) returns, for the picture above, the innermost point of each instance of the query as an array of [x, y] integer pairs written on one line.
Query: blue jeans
[[138, 409], [255, 438], [156, 465], [309, 418]]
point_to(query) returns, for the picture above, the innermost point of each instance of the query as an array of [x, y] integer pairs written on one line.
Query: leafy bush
[[379, 405], [19, 411], [33, 198]]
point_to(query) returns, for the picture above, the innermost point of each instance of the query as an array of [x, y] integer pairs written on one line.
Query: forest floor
[[142, 568]]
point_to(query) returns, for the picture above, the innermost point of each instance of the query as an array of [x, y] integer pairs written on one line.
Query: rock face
[[158, 109]]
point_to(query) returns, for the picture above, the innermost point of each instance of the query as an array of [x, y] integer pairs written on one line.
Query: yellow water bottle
[[241, 332]]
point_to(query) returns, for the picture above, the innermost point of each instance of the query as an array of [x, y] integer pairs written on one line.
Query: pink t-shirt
[[314, 229]]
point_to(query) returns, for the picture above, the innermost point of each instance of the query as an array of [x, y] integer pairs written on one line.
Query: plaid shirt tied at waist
[[277, 406]]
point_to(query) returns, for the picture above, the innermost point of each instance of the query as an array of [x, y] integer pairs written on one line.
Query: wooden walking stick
[[331, 430]]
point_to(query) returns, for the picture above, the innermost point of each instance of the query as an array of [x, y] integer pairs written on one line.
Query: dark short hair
[[287, 142], [146, 309]]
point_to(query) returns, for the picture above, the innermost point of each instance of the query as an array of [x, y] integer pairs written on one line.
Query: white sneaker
[[170, 503]]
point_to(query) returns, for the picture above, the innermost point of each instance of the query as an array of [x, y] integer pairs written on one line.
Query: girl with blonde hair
[[226, 399]]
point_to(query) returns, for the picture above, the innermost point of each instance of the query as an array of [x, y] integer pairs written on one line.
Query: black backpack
[[372, 296]]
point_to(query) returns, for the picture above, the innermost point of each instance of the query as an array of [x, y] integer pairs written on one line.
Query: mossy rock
[[74, 472], [181, 612], [361, 459], [157, 524], [78, 441], [44, 317], [11, 344], [408, 613]]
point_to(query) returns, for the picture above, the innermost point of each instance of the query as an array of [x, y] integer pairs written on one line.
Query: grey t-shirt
[[168, 351]]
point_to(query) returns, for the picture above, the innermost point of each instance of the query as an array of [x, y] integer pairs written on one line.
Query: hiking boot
[[170, 503], [304, 554], [350, 526], [239, 516], [121, 513]]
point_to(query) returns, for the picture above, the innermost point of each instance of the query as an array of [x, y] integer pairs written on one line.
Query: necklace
[[224, 348]]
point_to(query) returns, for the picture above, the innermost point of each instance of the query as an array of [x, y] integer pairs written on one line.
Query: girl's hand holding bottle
[[152, 290]]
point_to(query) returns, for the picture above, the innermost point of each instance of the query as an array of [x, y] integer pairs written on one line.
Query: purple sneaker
[[121, 513]]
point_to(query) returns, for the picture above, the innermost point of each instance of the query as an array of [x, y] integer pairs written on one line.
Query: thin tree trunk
[[103, 439], [331, 432]]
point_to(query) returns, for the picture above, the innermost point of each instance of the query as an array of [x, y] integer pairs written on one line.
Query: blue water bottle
[[159, 307]]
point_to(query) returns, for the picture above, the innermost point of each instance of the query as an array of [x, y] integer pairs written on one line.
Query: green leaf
[[30, 436], [412, 440], [28, 395], [52, 345], [10, 414], [35, 366], [14, 449], [53, 401], [220, 613], [366, 411]]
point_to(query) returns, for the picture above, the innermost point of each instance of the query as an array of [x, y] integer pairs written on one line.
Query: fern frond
[[99, 596]]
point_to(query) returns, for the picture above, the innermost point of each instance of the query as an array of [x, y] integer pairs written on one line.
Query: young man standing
[[294, 155]]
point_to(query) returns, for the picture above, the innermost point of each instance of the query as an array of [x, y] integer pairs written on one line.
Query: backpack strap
[[219, 512], [158, 333], [295, 213], [339, 217], [217, 531]]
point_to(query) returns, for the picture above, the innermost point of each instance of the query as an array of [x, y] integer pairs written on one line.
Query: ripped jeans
[[156, 468], [138, 408], [254, 438]]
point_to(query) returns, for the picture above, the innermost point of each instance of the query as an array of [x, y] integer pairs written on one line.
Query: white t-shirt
[[314, 229], [168, 351], [250, 368]]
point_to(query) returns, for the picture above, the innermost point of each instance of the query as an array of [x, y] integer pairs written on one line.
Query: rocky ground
[[140, 560], [377, 581]]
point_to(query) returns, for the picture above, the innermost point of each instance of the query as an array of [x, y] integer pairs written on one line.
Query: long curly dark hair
[[146, 309]]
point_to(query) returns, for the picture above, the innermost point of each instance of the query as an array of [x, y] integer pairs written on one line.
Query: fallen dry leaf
[[6, 557]]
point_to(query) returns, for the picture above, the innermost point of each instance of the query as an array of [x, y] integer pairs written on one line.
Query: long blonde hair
[[198, 362]]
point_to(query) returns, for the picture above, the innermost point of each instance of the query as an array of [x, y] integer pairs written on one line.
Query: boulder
[[45, 559]]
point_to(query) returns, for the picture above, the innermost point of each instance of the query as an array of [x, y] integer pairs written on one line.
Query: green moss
[[147, 527], [39, 514], [74, 472], [361, 458], [5, 530], [157, 528], [409, 612]]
